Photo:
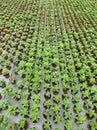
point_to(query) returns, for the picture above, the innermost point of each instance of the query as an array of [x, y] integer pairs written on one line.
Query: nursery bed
[[48, 65]]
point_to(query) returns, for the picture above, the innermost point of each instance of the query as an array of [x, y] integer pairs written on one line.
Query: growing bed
[[48, 65]]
